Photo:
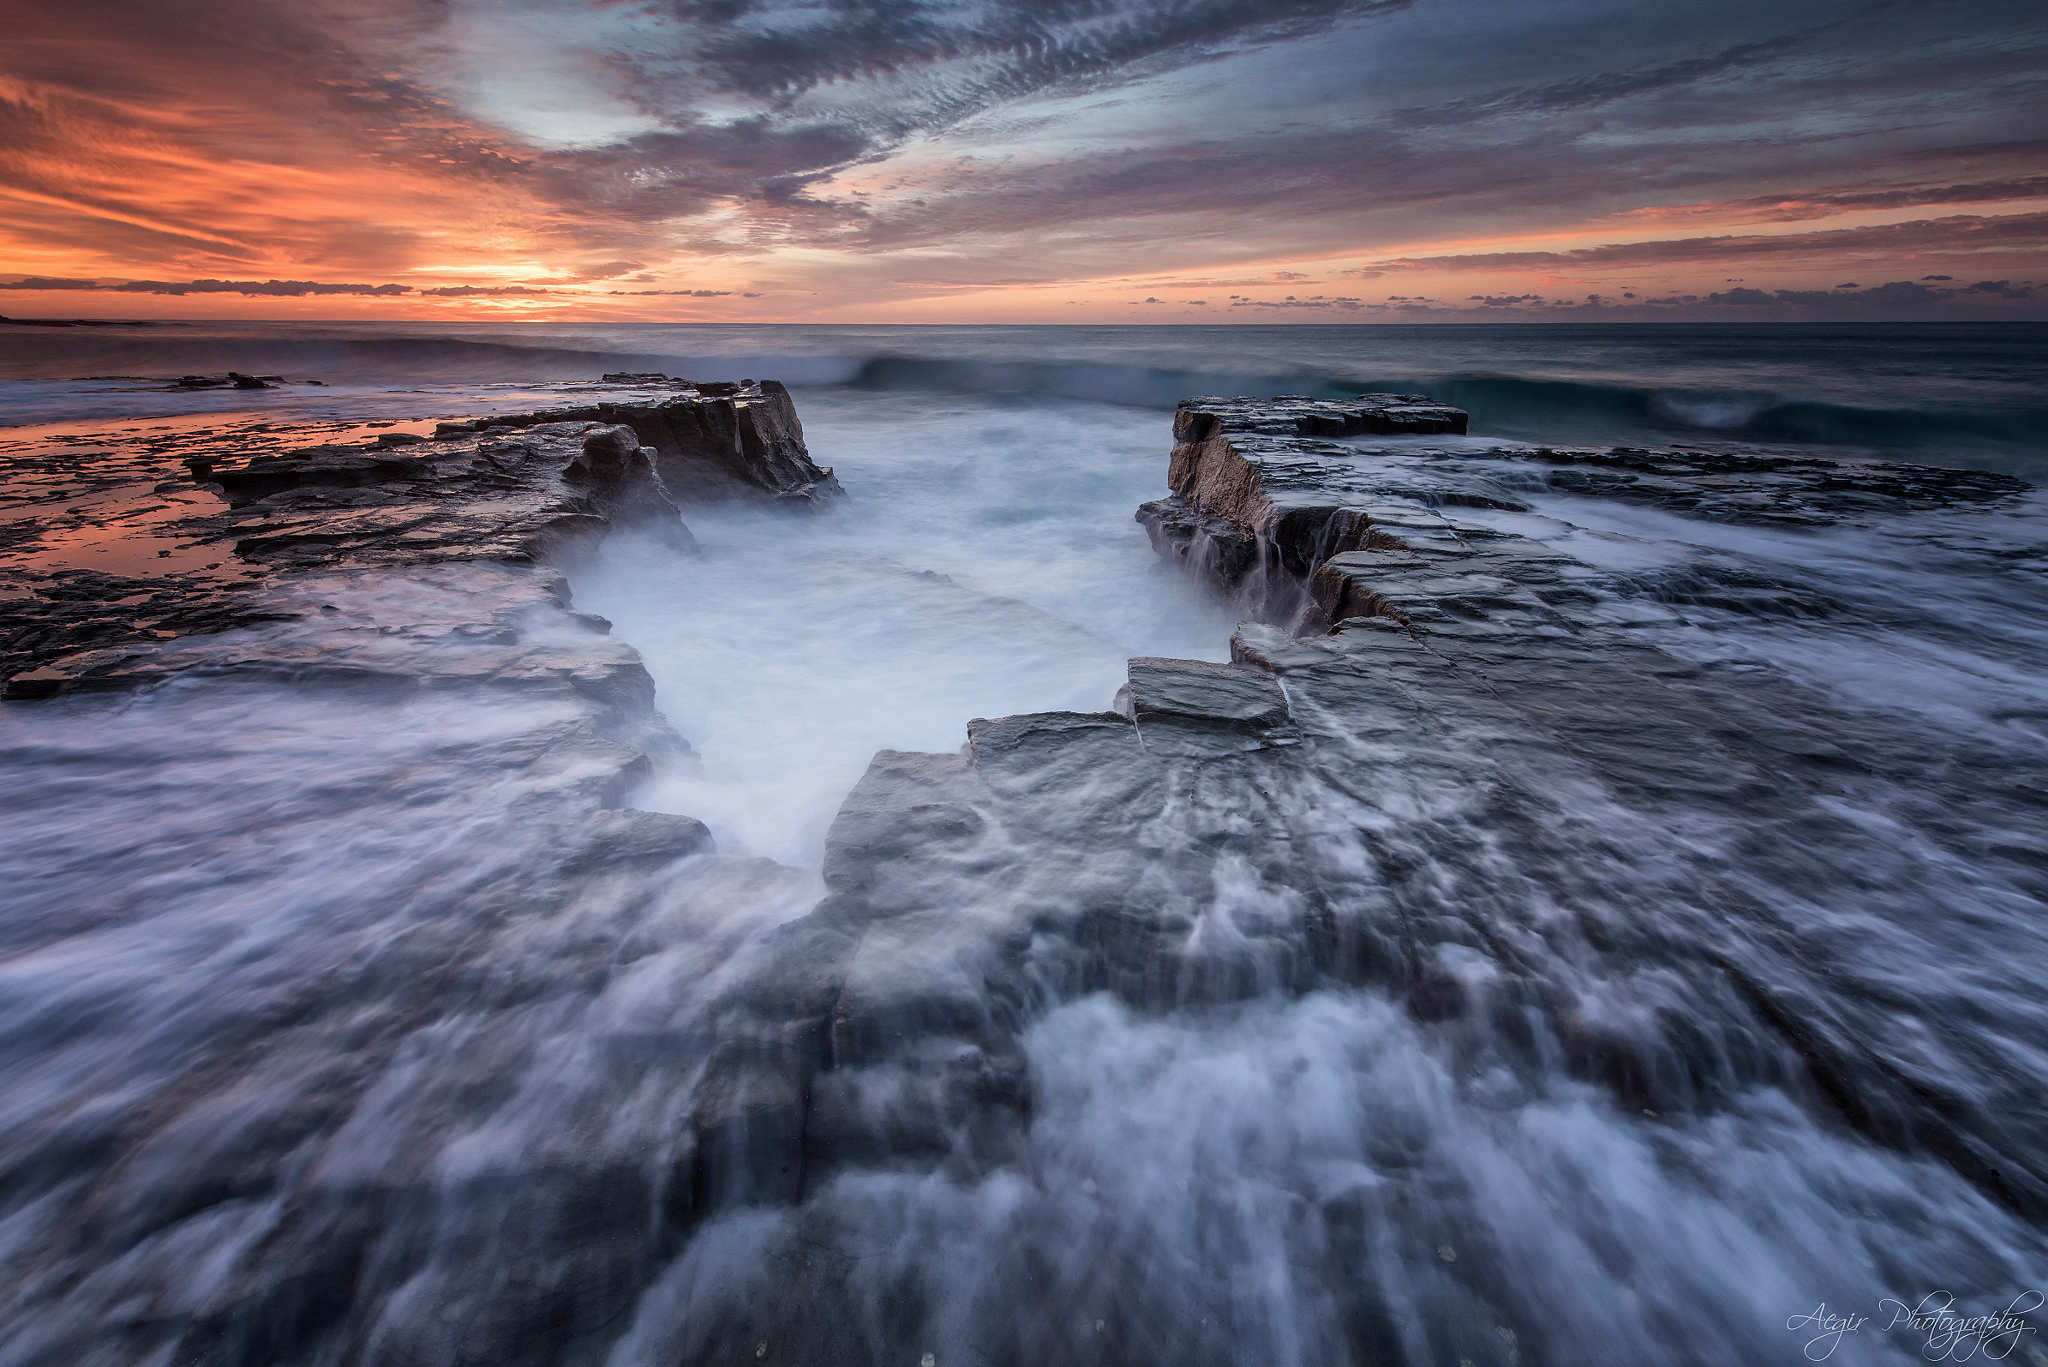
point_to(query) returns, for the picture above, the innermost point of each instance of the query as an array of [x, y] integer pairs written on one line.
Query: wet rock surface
[[1464, 769], [526, 489], [1508, 797], [376, 641], [712, 442], [420, 997], [1259, 501]]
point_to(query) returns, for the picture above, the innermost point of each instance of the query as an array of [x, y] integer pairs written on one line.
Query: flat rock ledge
[[536, 489], [1266, 492]]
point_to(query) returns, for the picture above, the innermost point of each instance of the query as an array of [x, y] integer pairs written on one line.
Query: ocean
[[218, 1007], [1969, 393]]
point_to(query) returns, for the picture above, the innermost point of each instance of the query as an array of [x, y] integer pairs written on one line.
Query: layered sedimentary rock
[[421, 765], [1459, 776], [411, 903], [1262, 495], [1482, 783], [712, 442], [541, 489]]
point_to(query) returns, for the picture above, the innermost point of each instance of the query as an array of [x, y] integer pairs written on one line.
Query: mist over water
[[324, 1037], [985, 563]]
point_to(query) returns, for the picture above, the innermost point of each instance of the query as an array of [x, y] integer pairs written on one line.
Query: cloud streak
[[1959, 236]]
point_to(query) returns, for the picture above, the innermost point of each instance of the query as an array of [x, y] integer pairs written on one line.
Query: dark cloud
[[290, 289], [1941, 236], [609, 270], [1325, 302], [1822, 204], [304, 288], [46, 282], [1802, 102], [1594, 89], [969, 57], [276, 288], [895, 69], [1894, 300], [914, 144]]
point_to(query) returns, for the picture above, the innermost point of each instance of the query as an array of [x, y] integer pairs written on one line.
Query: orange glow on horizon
[[180, 158]]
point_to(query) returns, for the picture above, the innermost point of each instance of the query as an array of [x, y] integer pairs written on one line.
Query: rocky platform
[[1263, 494], [539, 489], [383, 632], [1475, 775], [1454, 765]]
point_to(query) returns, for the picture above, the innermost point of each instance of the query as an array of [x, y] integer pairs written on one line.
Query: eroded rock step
[[1262, 495], [712, 442]]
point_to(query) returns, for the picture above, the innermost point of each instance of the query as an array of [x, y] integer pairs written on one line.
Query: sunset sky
[[1025, 160]]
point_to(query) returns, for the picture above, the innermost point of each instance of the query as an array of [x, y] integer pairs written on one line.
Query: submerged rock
[[234, 379], [640, 377]]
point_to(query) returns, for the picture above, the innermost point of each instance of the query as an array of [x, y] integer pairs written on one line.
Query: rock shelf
[[1409, 662], [530, 489], [1263, 494], [712, 442]]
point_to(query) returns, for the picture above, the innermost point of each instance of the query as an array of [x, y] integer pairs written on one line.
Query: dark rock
[[1261, 501], [1198, 693], [717, 448], [71, 323], [1475, 784], [723, 443], [542, 494], [625, 840], [234, 379], [620, 474], [1783, 488]]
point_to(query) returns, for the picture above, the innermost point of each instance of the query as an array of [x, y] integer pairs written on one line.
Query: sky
[[1019, 161]]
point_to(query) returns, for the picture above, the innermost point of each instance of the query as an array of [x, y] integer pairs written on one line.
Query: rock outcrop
[[531, 489], [1263, 494], [712, 443], [1494, 792], [1480, 783]]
